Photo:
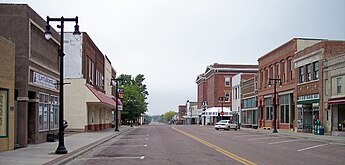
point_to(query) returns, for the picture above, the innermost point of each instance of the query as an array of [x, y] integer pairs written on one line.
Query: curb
[[323, 138], [72, 155]]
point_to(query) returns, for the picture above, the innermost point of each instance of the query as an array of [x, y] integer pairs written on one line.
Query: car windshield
[[223, 121]]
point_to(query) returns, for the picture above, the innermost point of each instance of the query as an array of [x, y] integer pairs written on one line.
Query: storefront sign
[[3, 112], [43, 80]]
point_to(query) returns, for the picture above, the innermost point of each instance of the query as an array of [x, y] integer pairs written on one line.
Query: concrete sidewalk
[[325, 138], [44, 153]]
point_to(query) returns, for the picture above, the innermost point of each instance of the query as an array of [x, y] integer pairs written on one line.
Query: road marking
[[112, 158], [308, 148], [263, 138], [224, 152], [286, 141]]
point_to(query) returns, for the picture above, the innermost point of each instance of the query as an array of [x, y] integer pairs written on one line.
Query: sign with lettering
[[40, 79], [3, 112]]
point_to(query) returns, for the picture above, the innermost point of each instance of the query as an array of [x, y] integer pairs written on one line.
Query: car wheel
[[217, 128], [228, 128], [235, 129]]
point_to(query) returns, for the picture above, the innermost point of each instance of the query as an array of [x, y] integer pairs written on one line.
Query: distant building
[[216, 82], [192, 113], [249, 106]]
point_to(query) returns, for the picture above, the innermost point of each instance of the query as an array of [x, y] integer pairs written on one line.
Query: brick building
[[309, 65], [36, 73], [334, 95], [278, 63], [7, 71], [88, 97], [216, 82], [249, 106]]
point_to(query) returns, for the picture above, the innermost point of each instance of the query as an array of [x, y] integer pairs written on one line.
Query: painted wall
[[107, 76], [73, 55]]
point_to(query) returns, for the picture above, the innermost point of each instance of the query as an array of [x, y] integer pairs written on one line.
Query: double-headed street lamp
[[61, 147], [204, 107], [274, 101], [222, 99], [115, 82]]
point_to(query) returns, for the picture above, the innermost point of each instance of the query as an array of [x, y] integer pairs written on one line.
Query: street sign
[[222, 113]]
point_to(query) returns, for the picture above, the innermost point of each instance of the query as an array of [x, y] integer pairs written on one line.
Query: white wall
[[74, 103], [236, 84], [73, 55], [107, 76]]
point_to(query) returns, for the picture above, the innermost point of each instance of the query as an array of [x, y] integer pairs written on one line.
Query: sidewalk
[[325, 138], [44, 153]]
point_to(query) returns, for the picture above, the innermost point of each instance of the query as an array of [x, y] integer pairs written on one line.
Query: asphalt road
[[171, 144]]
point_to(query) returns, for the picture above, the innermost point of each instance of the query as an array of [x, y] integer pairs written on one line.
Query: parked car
[[226, 125]]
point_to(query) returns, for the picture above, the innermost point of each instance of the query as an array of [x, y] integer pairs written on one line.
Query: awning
[[101, 97], [339, 100]]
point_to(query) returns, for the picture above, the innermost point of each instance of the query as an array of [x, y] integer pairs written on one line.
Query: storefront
[[337, 106], [308, 112], [249, 113], [213, 115]]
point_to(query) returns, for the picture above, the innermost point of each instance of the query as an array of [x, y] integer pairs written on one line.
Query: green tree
[[134, 101], [168, 116]]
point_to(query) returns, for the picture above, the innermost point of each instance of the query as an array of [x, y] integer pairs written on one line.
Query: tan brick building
[[309, 64], [278, 64], [7, 71]]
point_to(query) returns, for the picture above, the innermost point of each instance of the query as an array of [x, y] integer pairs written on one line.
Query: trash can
[[321, 130]]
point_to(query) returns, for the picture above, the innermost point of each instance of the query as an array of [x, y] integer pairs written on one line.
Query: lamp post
[[115, 82], [204, 106], [61, 147], [222, 99], [274, 100]]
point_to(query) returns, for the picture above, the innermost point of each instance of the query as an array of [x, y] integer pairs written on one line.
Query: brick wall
[[7, 71]]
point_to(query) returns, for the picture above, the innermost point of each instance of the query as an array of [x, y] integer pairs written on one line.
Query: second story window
[[316, 70], [227, 81], [308, 70], [301, 74], [227, 95], [290, 67], [339, 82]]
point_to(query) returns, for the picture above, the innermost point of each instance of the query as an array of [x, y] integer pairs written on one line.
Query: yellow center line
[[224, 152]]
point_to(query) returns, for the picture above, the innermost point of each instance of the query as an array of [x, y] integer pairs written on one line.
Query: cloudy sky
[[172, 41]]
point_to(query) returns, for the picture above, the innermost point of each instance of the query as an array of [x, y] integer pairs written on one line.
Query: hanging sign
[[3, 112]]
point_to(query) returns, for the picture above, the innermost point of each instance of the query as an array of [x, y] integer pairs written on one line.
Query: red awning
[[101, 96], [339, 100]]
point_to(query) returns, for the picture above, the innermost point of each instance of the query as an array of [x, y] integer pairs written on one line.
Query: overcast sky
[[173, 41]]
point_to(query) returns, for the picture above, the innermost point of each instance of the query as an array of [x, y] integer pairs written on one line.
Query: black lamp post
[[222, 99], [61, 148], [274, 100], [204, 104], [115, 82]]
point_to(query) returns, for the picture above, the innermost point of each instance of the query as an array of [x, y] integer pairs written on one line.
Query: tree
[[134, 101], [168, 116]]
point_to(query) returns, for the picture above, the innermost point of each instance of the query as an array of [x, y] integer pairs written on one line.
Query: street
[[186, 144]]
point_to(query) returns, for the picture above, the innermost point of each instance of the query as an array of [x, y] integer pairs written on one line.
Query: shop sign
[[119, 107], [3, 112], [43, 80]]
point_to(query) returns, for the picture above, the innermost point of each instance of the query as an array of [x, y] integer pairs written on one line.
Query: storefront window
[[269, 108], [284, 102], [43, 111], [54, 112]]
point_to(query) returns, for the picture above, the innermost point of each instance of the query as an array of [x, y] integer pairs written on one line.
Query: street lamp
[[61, 147], [274, 100], [222, 99], [204, 106], [115, 82]]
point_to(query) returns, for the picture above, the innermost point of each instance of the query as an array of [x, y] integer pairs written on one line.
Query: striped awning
[[339, 100]]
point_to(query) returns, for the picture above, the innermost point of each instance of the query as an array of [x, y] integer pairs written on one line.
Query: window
[[316, 70], [339, 85], [43, 111], [90, 68], [235, 93], [308, 70], [54, 112], [283, 71], [227, 95], [249, 103], [301, 74], [290, 66], [227, 81], [284, 102], [269, 108]]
